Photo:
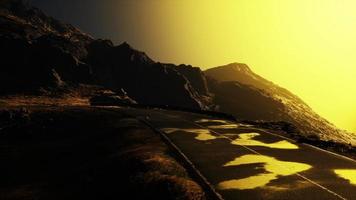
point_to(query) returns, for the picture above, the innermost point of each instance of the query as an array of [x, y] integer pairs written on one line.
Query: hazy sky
[[306, 46]]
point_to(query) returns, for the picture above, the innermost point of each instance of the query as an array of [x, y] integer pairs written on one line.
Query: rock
[[112, 99]]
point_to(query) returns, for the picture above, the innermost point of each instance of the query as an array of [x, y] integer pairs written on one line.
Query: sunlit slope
[[249, 96]]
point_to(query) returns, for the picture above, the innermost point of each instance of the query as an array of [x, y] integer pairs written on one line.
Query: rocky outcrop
[[112, 99]]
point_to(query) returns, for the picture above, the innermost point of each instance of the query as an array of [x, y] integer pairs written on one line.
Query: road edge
[[204, 183]]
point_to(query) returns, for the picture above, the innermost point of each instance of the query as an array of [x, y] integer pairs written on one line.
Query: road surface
[[244, 162]]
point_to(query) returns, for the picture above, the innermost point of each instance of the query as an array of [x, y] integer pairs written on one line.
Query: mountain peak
[[232, 72], [125, 45], [236, 66], [238, 72]]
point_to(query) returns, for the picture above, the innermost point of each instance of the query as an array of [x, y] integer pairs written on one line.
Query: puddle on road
[[274, 169], [247, 183], [246, 139], [202, 134], [348, 174]]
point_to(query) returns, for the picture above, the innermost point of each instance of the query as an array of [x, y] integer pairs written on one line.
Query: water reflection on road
[[253, 170], [348, 174], [273, 170], [202, 134], [247, 139]]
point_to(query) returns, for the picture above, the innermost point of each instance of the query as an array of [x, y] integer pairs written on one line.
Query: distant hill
[[247, 95]]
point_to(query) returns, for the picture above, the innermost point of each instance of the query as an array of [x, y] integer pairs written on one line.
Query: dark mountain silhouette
[[249, 96], [143, 79], [42, 53]]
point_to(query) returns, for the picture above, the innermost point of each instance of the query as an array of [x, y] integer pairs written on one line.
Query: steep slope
[[241, 100], [273, 103]]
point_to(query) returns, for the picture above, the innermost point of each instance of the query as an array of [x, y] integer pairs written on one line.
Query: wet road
[[243, 162]]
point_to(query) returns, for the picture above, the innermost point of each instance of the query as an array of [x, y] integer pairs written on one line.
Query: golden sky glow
[[306, 46]]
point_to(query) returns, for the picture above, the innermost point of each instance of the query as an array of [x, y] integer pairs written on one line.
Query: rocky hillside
[[145, 80], [249, 96], [43, 53]]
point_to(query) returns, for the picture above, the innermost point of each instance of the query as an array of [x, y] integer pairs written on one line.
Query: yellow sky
[[306, 46]]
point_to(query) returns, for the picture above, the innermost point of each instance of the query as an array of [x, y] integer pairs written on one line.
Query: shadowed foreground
[[86, 153]]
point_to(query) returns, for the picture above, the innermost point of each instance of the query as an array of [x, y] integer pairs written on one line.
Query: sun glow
[[306, 46]]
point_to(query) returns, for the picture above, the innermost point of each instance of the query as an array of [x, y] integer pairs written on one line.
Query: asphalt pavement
[[244, 162]]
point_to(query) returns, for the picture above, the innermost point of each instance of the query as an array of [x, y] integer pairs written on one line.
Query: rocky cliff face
[[249, 96]]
